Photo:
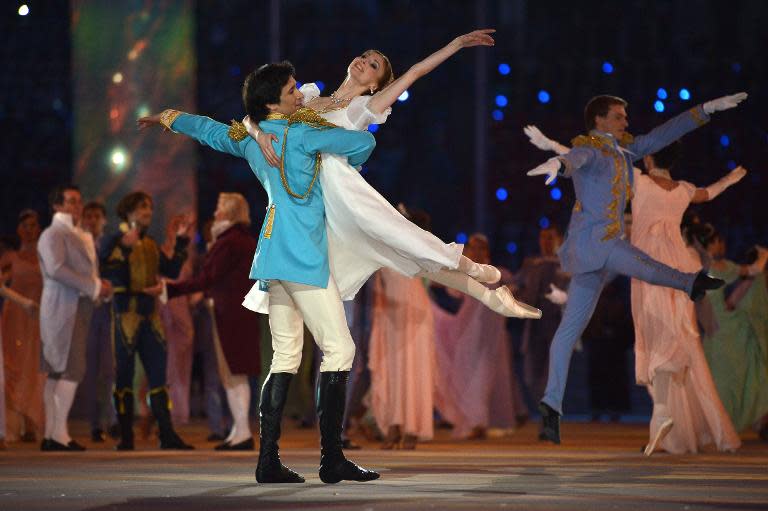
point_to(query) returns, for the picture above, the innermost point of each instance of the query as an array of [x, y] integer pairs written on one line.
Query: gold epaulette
[[587, 140], [237, 131], [626, 139]]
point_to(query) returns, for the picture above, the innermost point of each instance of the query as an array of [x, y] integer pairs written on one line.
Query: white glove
[[538, 139], [729, 179], [724, 103], [549, 168], [556, 295]]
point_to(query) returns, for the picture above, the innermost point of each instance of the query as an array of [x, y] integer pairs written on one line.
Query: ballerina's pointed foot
[[664, 428], [510, 307], [485, 273]]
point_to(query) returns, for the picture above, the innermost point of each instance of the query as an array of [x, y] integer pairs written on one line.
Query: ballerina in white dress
[[365, 232]]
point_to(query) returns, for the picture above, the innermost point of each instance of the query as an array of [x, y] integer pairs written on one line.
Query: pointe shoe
[[508, 306], [665, 427], [485, 273]]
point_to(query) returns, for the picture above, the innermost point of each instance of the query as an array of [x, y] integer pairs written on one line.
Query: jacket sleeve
[[171, 266], [357, 146], [52, 251], [216, 266], [661, 136]]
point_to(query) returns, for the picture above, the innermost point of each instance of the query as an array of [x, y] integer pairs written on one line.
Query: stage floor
[[599, 466]]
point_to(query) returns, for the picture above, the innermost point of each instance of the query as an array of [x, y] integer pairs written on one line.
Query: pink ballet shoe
[[665, 427], [510, 307], [485, 273]]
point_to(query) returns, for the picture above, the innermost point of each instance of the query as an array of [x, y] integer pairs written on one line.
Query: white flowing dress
[[365, 232]]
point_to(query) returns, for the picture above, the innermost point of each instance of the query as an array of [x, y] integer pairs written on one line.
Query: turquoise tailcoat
[[292, 242]]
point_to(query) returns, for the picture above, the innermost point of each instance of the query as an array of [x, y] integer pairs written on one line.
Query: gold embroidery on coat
[[270, 222], [237, 131]]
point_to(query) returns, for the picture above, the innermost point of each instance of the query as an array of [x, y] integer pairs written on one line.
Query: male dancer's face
[[291, 99], [71, 204], [615, 122]]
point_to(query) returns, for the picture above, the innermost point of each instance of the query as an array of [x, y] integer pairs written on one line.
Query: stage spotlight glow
[[501, 100], [685, 94], [661, 93], [725, 141], [117, 77], [543, 222], [298, 85], [543, 96], [497, 115], [23, 10], [461, 237], [373, 128], [320, 85], [607, 67], [502, 194], [731, 164], [504, 69], [142, 111], [736, 67], [118, 159], [404, 96], [555, 193], [511, 247], [658, 105], [234, 70]]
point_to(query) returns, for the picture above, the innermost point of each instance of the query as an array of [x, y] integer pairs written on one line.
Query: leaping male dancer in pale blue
[[595, 248], [292, 256]]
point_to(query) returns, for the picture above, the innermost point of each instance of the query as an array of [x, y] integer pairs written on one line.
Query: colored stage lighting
[[23, 10], [497, 115], [725, 141], [685, 94], [511, 247], [501, 100], [556, 193], [661, 93], [543, 96], [502, 194], [404, 96], [607, 67], [461, 237], [373, 128], [543, 222], [658, 106], [504, 69]]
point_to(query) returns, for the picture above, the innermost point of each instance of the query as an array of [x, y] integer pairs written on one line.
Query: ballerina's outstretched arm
[[719, 186], [389, 94]]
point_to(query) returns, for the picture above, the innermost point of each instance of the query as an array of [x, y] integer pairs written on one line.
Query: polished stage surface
[[598, 466]]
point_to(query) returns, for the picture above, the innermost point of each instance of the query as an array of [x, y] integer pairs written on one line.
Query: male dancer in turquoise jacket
[[595, 248], [291, 259]]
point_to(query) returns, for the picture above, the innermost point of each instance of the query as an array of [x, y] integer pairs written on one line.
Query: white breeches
[[291, 305]]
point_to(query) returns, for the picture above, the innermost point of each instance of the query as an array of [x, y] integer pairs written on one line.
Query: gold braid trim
[[698, 116], [168, 116], [310, 118], [160, 390], [120, 395], [237, 131]]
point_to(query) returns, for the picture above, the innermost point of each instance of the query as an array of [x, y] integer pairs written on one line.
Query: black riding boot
[[159, 403], [331, 397], [273, 396], [550, 423], [123, 401]]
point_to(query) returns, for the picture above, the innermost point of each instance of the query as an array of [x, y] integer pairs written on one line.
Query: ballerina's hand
[[737, 174], [149, 121], [477, 38], [264, 140]]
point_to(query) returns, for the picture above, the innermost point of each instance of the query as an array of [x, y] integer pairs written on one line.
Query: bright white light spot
[[142, 111], [404, 96], [117, 77], [118, 159], [23, 10]]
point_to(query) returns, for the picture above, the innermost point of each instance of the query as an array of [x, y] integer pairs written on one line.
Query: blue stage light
[[461, 237], [501, 100], [731, 164], [543, 96], [725, 141], [543, 222], [504, 69], [736, 67], [234, 70], [661, 93], [298, 85], [502, 194], [373, 128], [658, 105], [404, 96], [555, 193], [607, 67], [320, 85], [497, 115], [511, 247], [685, 94]]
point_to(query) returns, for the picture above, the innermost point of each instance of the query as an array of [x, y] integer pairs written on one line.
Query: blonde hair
[[235, 207]]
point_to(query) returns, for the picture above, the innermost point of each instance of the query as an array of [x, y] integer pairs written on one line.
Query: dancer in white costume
[[365, 232]]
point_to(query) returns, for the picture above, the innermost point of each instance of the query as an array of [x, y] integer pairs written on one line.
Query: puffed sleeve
[[310, 91], [360, 116]]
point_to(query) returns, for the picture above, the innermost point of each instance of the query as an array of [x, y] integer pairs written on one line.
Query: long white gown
[[365, 232]]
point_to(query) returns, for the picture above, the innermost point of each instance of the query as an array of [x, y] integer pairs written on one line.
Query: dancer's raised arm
[[719, 186], [389, 94]]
